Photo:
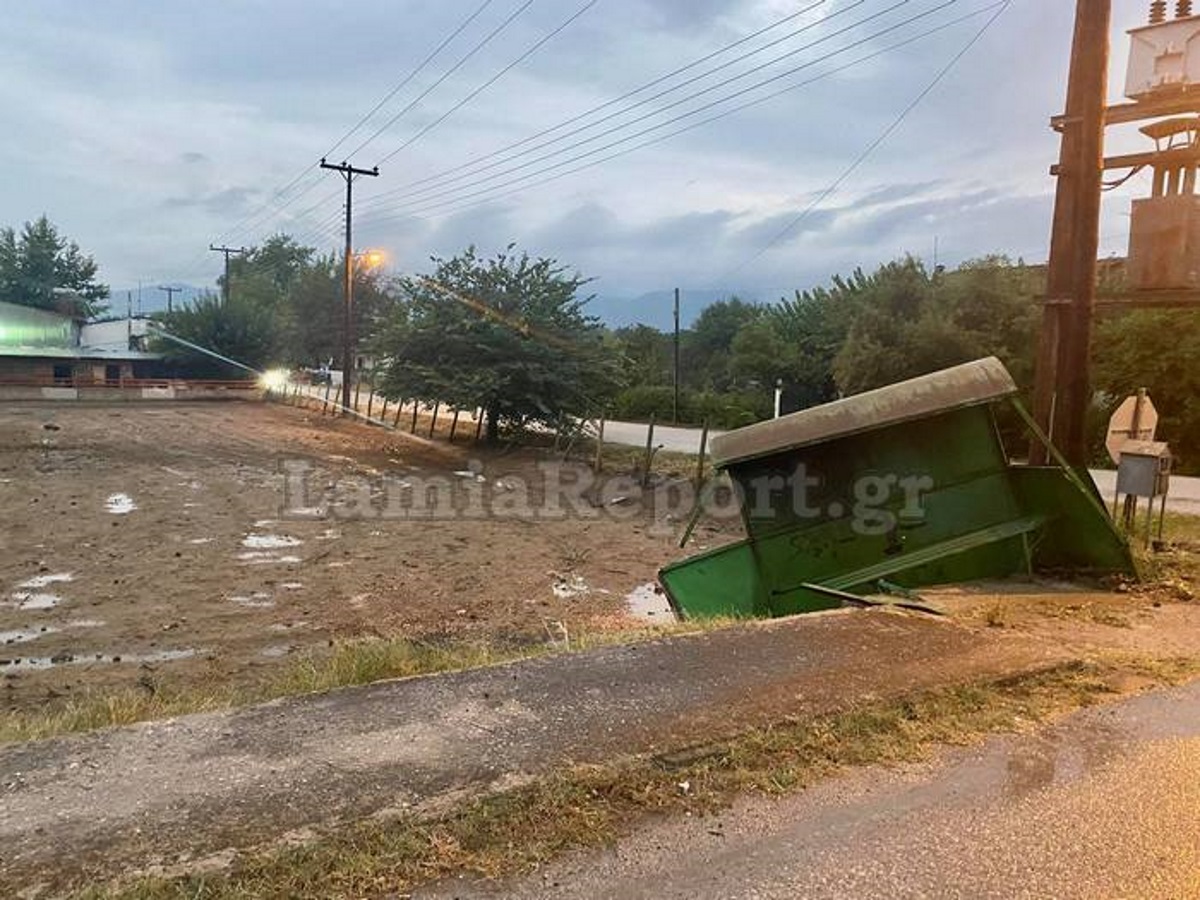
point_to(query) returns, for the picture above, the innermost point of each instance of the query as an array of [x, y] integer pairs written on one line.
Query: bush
[[728, 410]]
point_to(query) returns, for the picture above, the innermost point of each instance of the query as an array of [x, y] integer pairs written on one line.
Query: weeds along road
[[1106, 804]]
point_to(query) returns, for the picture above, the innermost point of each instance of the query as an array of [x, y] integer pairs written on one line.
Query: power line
[[659, 80], [877, 142], [279, 194], [454, 197], [491, 35], [435, 192]]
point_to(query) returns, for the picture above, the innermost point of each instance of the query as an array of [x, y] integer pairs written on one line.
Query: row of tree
[[512, 334]]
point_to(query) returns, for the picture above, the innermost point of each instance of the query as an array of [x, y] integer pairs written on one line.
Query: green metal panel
[[977, 517]]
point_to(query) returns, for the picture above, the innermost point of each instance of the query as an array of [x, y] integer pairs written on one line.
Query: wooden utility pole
[[170, 292], [348, 172], [228, 252], [1062, 394], [675, 380]]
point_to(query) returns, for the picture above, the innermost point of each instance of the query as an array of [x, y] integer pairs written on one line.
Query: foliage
[[720, 410], [1157, 350], [908, 323], [708, 345], [242, 330], [40, 268], [508, 334]]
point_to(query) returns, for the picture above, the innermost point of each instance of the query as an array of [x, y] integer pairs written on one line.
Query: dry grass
[[581, 807], [347, 664]]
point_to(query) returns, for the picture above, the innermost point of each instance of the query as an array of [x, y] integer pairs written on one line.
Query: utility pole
[[1062, 394], [675, 381], [348, 172], [171, 292], [228, 251]]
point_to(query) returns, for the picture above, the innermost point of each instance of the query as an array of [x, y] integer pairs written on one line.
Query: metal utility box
[[1144, 470], [1163, 57], [1164, 243], [907, 485]]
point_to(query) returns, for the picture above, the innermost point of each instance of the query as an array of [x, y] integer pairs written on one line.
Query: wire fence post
[[371, 394], [433, 420], [700, 457], [649, 452], [453, 424], [596, 466], [399, 409], [478, 423], [325, 403]]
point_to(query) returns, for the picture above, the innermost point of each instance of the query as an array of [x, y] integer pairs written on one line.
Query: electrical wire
[[874, 144], [431, 204]]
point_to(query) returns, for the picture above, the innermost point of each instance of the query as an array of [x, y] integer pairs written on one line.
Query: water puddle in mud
[[647, 601], [27, 663], [21, 635], [270, 541], [120, 504], [30, 601], [41, 581], [256, 600]]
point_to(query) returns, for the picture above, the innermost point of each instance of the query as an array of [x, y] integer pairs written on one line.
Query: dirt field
[[144, 542]]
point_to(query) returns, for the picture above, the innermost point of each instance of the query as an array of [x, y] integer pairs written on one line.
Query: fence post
[[399, 409], [433, 421], [371, 395], [383, 412], [649, 452], [700, 459], [325, 402], [357, 387], [599, 447], [416, 404], [453, 424], [478, 423]]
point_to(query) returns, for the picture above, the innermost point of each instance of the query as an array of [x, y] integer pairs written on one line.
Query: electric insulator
[[1158, 11], [1183, 9]]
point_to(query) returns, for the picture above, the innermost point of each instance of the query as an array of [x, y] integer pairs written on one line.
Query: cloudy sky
[[148, 130]]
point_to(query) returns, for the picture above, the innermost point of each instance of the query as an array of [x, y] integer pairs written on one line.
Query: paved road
[[1105, 805], [1184, 497], [197, 784]]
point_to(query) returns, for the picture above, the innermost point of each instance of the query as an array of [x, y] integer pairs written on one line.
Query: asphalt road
[[1184, 496], [1104, 805]]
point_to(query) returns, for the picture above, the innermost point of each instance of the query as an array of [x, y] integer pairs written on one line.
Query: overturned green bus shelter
[[901, 487]]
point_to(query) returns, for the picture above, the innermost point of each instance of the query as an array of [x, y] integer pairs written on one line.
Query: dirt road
[[1104, 805]]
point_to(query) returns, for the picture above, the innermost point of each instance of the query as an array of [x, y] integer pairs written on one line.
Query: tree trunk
[[493, 425]]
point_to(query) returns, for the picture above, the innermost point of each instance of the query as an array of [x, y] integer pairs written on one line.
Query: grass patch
[[348, 663], [508, 834]]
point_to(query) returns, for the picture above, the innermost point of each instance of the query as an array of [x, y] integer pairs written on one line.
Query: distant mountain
[[150, 299]]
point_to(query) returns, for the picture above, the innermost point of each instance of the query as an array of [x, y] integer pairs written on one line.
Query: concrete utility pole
[[348, 172], [228, 251], [1062, 393], [675, 381], [171, 292]]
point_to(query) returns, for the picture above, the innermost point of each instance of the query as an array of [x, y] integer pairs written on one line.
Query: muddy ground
[[144, 542]]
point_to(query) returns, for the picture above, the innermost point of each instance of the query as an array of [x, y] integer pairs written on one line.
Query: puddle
[[22, 663], [21, 635], [565, 588], [28, 600], [266, 559], [120, 504], [205, 540], [646, 601], [256, 600], [292, 585], [265, 523], [41, 581], [270, 541]]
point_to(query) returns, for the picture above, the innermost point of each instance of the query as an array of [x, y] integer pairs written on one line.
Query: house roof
[[973, 383]]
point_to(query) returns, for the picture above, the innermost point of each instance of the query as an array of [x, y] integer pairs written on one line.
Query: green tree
[[1157, 350], [646, 354], [708, 345], [40, 268], [908, 323], [241, 329], [508, 334]]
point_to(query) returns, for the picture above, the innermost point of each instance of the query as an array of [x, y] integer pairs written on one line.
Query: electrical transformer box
[[1164, 243], [1164, 57]]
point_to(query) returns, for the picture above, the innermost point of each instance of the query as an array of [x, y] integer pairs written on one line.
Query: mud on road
[[144, 543]]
